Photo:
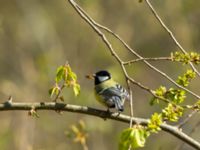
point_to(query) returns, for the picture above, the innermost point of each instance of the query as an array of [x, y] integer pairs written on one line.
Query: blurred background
[[37, 36]]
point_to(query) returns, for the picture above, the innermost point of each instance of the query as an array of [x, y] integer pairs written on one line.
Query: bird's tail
[[118, 104]]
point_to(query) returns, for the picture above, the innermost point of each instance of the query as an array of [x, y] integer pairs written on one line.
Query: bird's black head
[[101, 76]]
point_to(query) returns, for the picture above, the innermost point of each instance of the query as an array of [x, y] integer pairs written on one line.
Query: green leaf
[[69, 79], [195, 57], [73, 76], [160, 91], [60, 73], [53, 91], [153, 101], [176, 95], [186, 78], [172, 112], [134, 137], [76, 89], [186, 58], [155, 122]]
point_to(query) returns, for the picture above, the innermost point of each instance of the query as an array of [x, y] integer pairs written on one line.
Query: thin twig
[[39, 106], [170, 33], [59, 92], [108, 44], [131, 103], [90, 21], [148, 59], [94, 25], [172, 36], [128, 80], [189, 116], [180, 147]]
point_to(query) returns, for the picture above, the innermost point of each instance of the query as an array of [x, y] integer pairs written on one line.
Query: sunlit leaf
[[153, 101], [54, 90], [134, 137], [76, 89], [60, 73], [172, 112], [155, 122]]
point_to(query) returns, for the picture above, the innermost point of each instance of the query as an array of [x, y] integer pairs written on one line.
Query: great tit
[[108, 92]]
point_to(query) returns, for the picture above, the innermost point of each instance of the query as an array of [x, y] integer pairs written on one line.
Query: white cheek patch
[[103, 78]]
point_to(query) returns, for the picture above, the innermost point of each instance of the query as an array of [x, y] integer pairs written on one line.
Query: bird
[[108, 92]]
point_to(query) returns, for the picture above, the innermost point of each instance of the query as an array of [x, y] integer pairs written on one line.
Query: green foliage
[[60, 74], [65, 77], [76, 88], [175, 95], [186, 78], [160, 92], [186, 58], [54, 90], [195, 57], [134, 137], [172, 112], [155, 122]]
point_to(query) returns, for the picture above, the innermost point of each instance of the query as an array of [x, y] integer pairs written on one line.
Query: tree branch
[[186, 119], [95, 26], [97, 113], [170, 33], [148, 59]]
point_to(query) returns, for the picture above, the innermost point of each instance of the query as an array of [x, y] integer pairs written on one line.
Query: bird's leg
[[108, 112], [118, 113]]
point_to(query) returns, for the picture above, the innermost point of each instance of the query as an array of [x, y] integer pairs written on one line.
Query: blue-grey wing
[[123, 91], [114, 96]]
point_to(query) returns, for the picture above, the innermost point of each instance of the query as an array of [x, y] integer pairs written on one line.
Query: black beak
[[91, 76]]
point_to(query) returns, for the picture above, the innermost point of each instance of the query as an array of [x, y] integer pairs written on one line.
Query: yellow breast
[[100, 99]]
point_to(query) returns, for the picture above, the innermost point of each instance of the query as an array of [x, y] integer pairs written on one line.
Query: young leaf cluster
[[65, 77], [186, 58], [155, 122], [175, 96], [172, 112], [186, 78], [134, 137]]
